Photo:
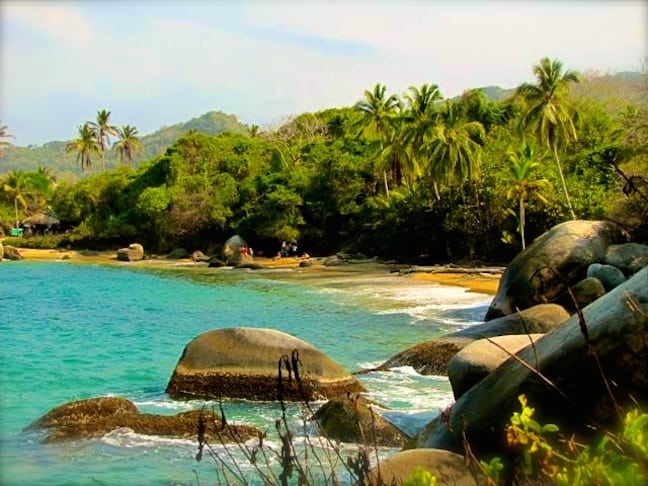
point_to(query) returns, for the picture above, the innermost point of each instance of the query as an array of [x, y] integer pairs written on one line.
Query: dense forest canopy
[[411, 176]]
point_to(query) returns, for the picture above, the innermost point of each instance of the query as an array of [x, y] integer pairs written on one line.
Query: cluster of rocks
[[570, 305]]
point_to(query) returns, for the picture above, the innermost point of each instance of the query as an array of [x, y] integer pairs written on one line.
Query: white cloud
[[59, 20]]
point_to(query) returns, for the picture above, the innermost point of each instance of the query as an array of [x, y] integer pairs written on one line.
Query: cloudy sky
[[154, 63]]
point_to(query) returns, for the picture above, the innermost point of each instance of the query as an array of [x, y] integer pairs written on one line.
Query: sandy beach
[[477, 281]]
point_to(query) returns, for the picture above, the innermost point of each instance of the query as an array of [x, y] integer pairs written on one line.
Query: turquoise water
[[71, 331]]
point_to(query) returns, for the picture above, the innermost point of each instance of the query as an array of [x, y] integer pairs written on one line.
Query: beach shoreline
[[474, 280]]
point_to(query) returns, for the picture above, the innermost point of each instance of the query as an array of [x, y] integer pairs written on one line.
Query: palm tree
[[17, 186], [455, 147], [102, 131], [524, 163], [549, 111], [128, 143], [86, 146], [378, 112], [421, 117], [3, 134]]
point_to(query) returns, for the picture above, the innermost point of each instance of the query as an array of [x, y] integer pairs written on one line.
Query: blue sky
[[154, 63]]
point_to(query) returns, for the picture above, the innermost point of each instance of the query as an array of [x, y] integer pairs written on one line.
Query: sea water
[[75, 331]]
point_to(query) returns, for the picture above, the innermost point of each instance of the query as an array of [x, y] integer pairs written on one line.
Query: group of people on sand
[[290, 250]]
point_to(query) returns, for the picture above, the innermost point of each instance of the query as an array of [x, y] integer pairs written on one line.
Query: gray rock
[[12, 253], [95, 417], [582, 294], [243, 362], [215, 262], [557, 258], [448, 468], [628, 257], [477, 360], [199, 256], [431, 357], [609, 275], [177, 254], [133, 253], [571, 391], [353, 418]]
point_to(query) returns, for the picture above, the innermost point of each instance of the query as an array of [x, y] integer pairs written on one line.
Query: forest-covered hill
[[52, 155], [613, 90]]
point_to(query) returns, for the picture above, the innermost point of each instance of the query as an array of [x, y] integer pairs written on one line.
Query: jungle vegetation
[[410, 176]]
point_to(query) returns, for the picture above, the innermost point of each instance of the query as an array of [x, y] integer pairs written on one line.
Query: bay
[[73, 331]]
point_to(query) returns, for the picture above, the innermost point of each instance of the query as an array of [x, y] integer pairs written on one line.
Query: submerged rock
[[352, 418], [95, 417], [245, 363]]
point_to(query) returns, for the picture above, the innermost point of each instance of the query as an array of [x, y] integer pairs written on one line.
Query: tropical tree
[[524, 162], [421, 117], [549, 111], [128, 143], [17, 186], [102, 132], [378, 111], [85, 145], [455, 147], [3, 135]]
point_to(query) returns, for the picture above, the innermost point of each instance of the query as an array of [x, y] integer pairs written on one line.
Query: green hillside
[[52, 155]]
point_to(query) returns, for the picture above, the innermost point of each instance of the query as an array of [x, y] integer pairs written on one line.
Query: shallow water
[[72, 331]]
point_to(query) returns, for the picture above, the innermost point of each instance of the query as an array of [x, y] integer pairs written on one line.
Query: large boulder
[[431, 357], [610, 276], [581, 294], [571, 390], [258, 364], [628, 257], [448, 468], [133, 253], [477, 360], [1, 251], [556, 259], [95, 417], [354, 418]]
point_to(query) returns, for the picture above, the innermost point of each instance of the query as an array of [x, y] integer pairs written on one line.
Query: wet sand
[[475, 281]]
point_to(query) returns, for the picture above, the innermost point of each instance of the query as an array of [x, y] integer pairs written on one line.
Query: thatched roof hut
[[41, 219]]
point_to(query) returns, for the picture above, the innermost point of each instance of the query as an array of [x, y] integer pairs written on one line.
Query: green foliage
[[420, 477], [613, 459]]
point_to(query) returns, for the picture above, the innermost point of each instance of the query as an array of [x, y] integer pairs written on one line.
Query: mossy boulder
[[354, 418], [257, 364], [95, 417]]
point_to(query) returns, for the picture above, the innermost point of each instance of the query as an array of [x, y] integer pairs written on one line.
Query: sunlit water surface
[[71, 332]]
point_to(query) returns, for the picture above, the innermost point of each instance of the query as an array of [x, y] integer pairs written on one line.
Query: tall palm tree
[[420, 116], [128, 143], [17, 186], [102, 131], [378, 111], [3, 135], [524, 163], [549, 111], [455, 147], [85, 145]]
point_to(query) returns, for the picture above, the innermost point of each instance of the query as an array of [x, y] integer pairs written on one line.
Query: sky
[[156, 63]]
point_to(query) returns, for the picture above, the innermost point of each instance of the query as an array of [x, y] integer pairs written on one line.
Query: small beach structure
[[41, 223]]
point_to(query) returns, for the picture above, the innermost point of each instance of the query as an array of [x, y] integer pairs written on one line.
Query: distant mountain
[[53, 155]]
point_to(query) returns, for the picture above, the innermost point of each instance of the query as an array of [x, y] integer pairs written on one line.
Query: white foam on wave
[[127, 437]]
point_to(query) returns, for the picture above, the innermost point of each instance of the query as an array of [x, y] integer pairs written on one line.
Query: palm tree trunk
[[522, 216], [385, 181], [562, 180], [16, 209]]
